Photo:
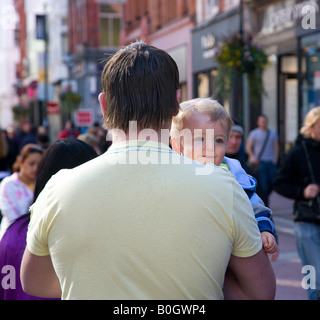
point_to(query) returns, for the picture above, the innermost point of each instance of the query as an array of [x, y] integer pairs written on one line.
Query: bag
[[308, 211]]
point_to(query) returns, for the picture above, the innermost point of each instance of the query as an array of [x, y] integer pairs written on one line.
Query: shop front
[[289, 30], [205, 40], [275, 32], [308, 34]]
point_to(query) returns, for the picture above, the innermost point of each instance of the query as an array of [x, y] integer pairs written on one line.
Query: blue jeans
[[308, 245], [267, 174]]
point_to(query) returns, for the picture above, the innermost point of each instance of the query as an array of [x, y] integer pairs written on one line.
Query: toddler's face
[[209, 139]]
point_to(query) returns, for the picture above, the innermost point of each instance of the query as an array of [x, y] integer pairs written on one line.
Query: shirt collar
[[137, 144]]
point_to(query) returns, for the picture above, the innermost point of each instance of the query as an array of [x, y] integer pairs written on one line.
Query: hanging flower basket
[[20, 113], [237, 56], [70, 101]]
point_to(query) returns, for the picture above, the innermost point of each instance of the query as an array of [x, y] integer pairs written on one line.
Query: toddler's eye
[[199, 139], [219, 140]]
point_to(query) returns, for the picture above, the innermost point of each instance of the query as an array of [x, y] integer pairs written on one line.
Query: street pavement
[[288, 266]]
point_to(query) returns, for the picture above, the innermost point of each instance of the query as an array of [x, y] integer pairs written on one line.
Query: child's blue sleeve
[[262, 213]]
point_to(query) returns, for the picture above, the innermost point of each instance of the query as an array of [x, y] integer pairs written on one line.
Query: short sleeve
[[247, 238], [37, 242], [251, 135], [42, 218]]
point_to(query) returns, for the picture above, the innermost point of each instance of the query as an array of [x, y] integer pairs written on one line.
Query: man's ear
[[102, 101]]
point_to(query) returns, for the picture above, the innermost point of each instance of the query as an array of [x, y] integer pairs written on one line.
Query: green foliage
[[20, 113], [237, 56], [70, 101]]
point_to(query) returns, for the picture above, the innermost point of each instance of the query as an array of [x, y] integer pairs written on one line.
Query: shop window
[[212, 8], [205, 81], [231, 4], [311, 78], [110, 25], [203, 85], [184, 91]]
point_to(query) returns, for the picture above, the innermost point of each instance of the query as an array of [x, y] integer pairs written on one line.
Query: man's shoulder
[[253, 133], [10, 181], [273, 133]]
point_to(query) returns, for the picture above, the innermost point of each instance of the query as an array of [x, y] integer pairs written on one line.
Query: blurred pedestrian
[[4, 156], [23, 130], [298, 178], [30, 136], [101, 135], [263, 150], [235, 148], [13, 143], [69, 131], [91, 140], [43, 137], [63, 154], [16, 190], [127, 226]]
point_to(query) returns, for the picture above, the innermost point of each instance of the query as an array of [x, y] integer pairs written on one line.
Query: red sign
[[53, 108], [84, 118]]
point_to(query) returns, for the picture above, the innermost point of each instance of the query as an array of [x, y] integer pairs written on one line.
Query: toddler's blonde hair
[[202, 105]]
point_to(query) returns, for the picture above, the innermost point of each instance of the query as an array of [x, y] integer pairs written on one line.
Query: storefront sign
[[205, 40], [84, 118], [208, 43], [53, 107], [278, 18]]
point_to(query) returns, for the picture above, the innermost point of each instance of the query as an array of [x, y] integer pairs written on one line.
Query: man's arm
[[250, 278], [38, 277], [249, 150]]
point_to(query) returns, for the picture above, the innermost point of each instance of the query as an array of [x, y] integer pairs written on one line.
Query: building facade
[[288, 30], [216, 21], [165, 24], [10, 60], [94, 34]]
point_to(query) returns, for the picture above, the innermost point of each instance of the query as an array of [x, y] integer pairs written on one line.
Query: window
[[203, 85], [110, 25], [311, 74], [231, 4], [212, 8]]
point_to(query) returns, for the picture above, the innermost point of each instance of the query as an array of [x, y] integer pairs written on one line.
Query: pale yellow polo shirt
[[142, 222]]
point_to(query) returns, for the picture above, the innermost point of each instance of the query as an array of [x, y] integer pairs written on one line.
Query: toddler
[[209, 146]]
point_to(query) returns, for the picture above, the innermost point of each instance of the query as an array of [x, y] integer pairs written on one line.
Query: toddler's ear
[[176, 146], [178, 95]]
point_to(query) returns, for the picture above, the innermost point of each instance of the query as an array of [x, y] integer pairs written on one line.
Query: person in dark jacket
[[294, 181]]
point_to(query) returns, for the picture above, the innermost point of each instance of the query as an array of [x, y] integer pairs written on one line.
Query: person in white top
[[16, 190]]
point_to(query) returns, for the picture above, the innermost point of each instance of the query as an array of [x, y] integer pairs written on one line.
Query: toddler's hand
[[269, 243]]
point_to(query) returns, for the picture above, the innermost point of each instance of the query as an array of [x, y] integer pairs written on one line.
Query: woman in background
[[294, 181], [63, 154], [16, 190]]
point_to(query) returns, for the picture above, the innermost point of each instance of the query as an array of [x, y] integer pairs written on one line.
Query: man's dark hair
[[140, 84]]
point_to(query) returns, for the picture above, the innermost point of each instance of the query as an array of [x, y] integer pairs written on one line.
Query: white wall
[[9, 56]]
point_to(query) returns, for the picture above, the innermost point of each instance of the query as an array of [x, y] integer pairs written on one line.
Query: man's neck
[[160, 135]]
